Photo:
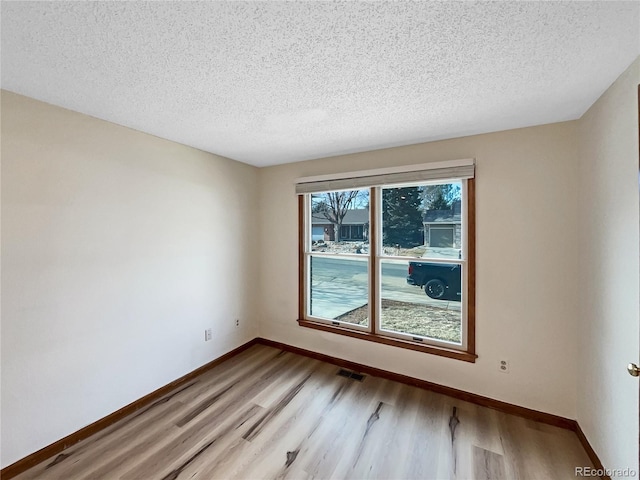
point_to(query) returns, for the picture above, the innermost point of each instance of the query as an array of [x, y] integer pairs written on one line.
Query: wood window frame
[[467, 355]]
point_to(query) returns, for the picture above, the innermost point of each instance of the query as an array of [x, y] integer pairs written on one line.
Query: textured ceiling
[[275, 82]]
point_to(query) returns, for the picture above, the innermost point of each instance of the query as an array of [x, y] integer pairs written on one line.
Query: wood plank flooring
[[270, 414]]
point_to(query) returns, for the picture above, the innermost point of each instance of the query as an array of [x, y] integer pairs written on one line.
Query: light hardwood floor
[[269, 414]]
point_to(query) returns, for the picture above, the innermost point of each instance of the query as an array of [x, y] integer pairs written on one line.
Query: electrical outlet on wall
[[237, 322], [207, 335], [503, 365]]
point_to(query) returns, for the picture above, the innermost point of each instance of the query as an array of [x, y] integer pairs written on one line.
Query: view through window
[[339, 263], [421, 295], [389, 260]]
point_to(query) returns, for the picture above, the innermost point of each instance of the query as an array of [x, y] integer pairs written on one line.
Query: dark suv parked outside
[[441, 281]]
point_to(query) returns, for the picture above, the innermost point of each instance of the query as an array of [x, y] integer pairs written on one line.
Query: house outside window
[[443, 226], [351, 232], [353, 227], [442, 237]]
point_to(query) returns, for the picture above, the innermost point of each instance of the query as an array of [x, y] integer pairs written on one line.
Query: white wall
[[526, 266], [609, 285], [118, 250]]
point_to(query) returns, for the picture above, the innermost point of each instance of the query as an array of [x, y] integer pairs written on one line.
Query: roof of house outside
[[451, 215], [358, 216], [441, 216]]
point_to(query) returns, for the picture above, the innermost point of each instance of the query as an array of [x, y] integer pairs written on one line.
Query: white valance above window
[[450, 170]]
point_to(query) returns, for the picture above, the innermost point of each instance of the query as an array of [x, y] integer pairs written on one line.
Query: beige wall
[[526, 266], [118, 250], [609, 239]]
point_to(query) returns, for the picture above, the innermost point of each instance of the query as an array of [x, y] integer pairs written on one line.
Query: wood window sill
[[396, 342]]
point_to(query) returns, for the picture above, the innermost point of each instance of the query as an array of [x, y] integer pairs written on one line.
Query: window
[[397, 265], [351, 232], [337, 272]]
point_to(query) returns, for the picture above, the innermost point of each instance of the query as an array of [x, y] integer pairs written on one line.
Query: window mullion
[[374, 246], [302, 255]]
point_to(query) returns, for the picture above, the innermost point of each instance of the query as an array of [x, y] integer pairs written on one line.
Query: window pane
[[422, 221], [421, 299], [339, 289], [340, 222]]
